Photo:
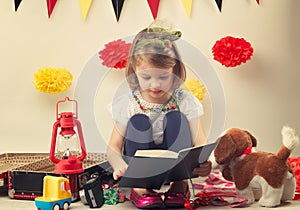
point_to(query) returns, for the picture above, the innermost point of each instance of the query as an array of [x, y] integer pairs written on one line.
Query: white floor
[[13, 204]]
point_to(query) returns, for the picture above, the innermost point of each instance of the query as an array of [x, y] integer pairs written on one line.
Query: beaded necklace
[[171, 104]]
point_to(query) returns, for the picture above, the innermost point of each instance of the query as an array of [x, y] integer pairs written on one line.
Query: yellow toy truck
[[56, 194]]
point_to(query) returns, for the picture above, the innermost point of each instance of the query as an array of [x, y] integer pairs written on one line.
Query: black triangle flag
[[219, 3], [17, 4], [118, 4]]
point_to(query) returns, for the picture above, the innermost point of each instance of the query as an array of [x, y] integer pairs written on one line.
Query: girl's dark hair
[[158, 49]]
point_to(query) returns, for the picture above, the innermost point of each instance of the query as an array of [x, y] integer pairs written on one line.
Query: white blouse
[[124, 107]]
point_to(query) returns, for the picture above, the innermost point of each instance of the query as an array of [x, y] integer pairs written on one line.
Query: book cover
[[153, 168]]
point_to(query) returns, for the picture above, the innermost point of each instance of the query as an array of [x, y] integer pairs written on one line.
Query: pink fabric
[[217, 191]]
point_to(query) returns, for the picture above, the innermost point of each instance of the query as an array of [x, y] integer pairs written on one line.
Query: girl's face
[[155, 83]]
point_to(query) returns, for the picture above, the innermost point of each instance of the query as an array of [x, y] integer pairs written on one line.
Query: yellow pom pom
[[52, 80], [195, 87]]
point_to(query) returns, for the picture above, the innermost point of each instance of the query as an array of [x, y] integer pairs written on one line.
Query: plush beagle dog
[[249, 169]]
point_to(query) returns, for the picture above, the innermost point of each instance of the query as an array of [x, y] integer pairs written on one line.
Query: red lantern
[[67, 151]]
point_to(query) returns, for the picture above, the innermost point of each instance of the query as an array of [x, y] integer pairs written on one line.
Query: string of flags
[[118, 5]]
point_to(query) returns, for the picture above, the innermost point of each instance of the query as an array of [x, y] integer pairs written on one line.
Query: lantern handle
[[64, 100]]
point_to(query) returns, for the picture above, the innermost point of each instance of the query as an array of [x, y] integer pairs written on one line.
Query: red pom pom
[[295, 164], [115, 54], [230, 51]]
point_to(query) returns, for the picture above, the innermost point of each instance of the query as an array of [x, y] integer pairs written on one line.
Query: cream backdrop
[[261, 95]]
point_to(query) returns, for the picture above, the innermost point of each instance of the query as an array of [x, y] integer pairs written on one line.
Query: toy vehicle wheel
[[56, 207], [66, 206]]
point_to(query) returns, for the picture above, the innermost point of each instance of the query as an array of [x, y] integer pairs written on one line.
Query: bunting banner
[[17, 4], [154, 4], [50, 6], [187, 4], [118, 5], [85, 7], [219, 3]]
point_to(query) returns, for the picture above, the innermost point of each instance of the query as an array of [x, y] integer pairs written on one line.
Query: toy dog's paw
[[268, 203], [247, 193]]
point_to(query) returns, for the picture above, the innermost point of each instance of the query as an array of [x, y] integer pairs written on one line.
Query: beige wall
[[261, 95]]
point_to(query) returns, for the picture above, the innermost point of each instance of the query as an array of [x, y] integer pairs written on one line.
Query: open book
[[153, 168]]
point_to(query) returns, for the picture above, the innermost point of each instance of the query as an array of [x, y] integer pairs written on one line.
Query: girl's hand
[[118, 173], [203, 169]]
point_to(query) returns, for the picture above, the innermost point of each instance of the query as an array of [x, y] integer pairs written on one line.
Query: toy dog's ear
[[226, 172], [225, 149], [253, 139]]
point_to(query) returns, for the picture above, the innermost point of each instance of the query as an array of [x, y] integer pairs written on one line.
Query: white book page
[[156, 153]]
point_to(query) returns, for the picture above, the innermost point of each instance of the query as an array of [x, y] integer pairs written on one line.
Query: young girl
[[157, 114]]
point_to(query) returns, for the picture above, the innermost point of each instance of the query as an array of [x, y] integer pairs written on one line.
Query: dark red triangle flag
[[118, 5], [219, 3], [50, 6], [17, 4], [154, 4], [257, 1]]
